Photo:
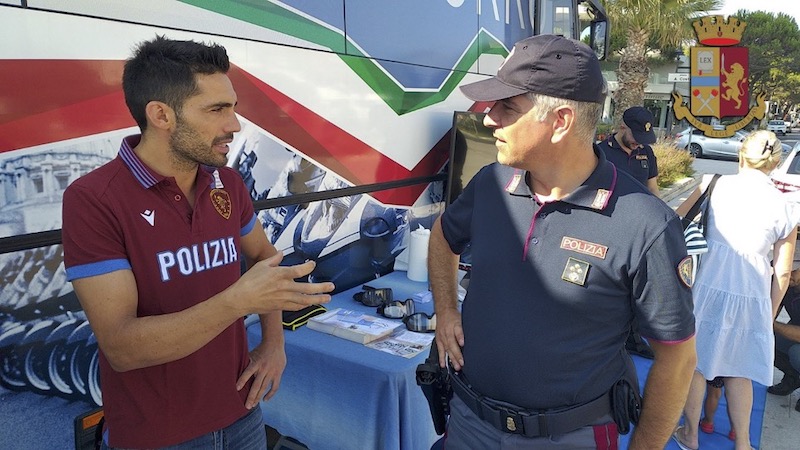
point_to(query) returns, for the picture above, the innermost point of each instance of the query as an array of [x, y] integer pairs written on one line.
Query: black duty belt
[[511, 419]]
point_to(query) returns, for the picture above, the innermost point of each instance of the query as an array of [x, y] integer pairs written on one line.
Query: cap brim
[[490, 90], [644, 137]]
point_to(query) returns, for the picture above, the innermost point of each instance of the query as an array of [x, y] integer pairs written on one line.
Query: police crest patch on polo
[[222, 202], [575, 271], [685, 270]]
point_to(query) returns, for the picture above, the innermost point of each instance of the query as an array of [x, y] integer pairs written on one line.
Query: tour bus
[[346, 108]]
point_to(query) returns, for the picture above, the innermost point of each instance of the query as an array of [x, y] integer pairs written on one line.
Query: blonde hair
[[761, 150]]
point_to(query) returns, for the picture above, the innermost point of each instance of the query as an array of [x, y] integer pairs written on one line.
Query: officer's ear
[[564, 122]]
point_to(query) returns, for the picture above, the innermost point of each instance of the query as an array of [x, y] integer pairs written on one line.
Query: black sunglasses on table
[[420, 322], [396, 309], [371, 296]]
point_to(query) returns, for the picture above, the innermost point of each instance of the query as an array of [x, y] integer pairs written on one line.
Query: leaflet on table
[[403, 343], [353, 325]]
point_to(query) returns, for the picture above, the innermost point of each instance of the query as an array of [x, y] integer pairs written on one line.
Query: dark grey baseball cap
[[545, 64]]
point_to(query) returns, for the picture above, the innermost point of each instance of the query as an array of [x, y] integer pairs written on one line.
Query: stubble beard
[[188, 150], [629, 142]]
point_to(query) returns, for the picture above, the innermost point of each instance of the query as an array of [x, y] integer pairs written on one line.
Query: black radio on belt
[[435, 384]]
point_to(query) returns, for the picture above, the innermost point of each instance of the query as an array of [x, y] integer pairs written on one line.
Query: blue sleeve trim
[[98, 268], [249, 227]]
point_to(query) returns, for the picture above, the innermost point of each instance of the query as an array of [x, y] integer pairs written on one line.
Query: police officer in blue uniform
[[566, 252], [629, 148]]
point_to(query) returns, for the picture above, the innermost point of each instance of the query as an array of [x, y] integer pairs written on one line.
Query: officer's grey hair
[[587, 113], [761, 150]]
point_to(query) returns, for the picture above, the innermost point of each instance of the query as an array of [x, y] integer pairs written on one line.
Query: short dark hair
[[164, 70]]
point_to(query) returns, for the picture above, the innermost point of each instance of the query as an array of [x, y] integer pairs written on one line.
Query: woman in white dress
[[736, 292]]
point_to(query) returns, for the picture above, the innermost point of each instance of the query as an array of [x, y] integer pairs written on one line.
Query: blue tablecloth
[[337, 394]]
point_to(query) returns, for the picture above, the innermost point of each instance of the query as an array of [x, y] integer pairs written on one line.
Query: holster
[[626, 401], [435, 384]]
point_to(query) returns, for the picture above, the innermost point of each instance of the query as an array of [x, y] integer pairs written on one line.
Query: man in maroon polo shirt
[[153, 245]]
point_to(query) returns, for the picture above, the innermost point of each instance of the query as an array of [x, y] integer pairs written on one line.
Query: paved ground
[[781, 424]]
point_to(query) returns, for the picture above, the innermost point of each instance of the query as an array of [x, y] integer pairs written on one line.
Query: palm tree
[[644, 25]]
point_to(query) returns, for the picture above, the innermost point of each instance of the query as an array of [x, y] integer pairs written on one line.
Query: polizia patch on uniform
[[575, 271], [585, 247], [685, 270]]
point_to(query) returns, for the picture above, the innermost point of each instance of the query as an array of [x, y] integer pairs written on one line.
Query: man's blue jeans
[[247, 433]]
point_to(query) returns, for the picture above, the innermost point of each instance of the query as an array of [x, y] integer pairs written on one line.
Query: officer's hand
[[449, 337], [268, 287]]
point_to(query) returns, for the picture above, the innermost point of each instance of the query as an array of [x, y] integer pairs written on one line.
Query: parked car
[[787, 175], [702, 145], [777, 127]]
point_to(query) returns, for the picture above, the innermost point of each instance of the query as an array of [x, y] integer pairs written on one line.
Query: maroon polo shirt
[[125, 216]]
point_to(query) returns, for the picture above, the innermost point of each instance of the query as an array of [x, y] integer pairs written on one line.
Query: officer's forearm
[[442, 270], [665, 393]]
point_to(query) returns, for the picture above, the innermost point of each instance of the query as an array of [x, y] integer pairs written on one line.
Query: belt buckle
[[512, 421]]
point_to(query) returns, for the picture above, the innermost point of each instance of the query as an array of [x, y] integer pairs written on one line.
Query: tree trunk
[[632, 74]]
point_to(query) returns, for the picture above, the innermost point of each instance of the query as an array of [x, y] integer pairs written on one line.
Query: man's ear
[[160, 115], [564, 121]]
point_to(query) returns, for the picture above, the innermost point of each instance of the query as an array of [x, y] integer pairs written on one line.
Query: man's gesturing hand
[[268, 287]]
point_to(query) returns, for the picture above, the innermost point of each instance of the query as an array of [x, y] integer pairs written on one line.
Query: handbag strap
[[704, 217], [695, 209]]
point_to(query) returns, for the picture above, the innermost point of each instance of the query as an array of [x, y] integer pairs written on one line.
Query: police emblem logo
[[647, 126], [510, 425], [686, 271], [222, 202], [575, 271]]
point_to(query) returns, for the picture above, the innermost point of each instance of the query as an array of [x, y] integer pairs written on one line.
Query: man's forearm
[[442, 270], [272, 328], [788, 331], [665, 394]]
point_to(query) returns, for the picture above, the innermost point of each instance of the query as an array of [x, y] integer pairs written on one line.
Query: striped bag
[[693, 229], [696, 243]]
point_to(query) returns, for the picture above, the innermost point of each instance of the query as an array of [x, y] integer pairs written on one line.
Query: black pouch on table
[[293, 320]]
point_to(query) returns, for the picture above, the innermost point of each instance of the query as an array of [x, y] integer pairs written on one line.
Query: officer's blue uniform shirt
[[641, 163], [554, 287]]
